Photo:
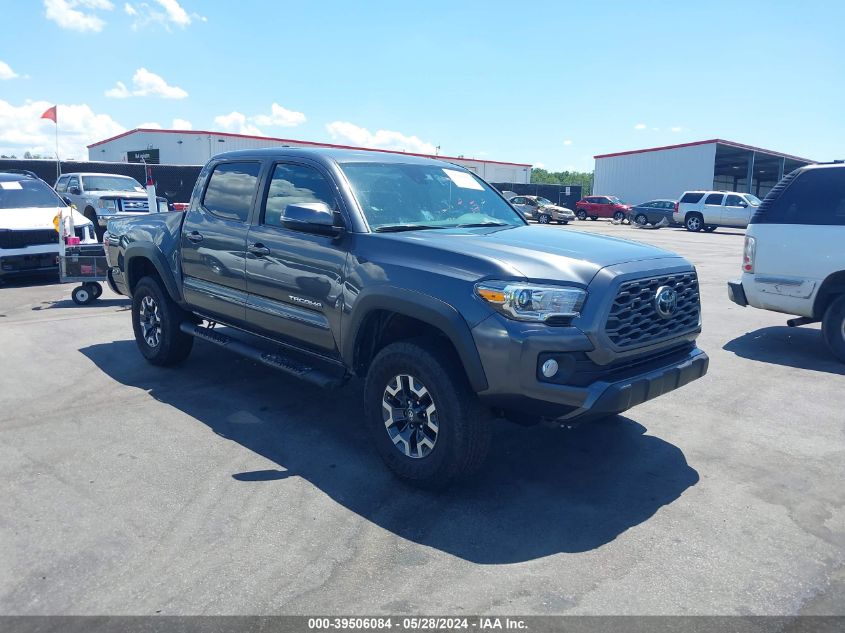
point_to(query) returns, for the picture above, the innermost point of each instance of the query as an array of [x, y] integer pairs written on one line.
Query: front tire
[[156, 319], [82, 295], [619, 216], [581, 214], [641, 219], [427, 425], [543, 219], [833, 328], [694, 222]]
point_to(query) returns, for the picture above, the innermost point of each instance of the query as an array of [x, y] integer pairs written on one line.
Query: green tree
[[583, 178]]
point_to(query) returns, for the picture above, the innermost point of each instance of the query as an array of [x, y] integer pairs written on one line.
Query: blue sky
[[550, 84]]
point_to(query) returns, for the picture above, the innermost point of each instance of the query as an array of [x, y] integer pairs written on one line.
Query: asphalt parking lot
[[224, 488]]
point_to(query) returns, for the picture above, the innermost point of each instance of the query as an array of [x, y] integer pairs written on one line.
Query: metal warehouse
[[195, 147], [666, 172]]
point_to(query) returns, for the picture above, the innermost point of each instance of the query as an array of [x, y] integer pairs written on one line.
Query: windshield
[[614, 199], [19, 194], [753, 200], [544, 201], [425, 196], [110, 183]]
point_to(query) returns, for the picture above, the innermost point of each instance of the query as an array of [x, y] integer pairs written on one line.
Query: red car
[[595, 207]]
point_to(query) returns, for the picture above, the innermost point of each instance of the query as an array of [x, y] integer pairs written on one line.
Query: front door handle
[[195, 237], [259, 250]]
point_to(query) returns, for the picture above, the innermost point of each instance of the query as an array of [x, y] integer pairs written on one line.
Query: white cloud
[[567, 142], [237, 123], [539, 165], [677, 128], [150, 125], [146, 84], [280, 116], [6, 71], [22, 129], [67, 16], [382, 139], [165, 13], [182, 124], [640, 126], [242, 124]]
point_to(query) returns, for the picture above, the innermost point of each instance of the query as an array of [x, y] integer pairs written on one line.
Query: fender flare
[[149, 251], [420, 306]]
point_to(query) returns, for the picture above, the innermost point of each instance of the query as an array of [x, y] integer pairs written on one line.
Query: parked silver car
[[542, 209]]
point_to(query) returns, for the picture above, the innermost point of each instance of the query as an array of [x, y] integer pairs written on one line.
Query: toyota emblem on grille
[[665, 301]]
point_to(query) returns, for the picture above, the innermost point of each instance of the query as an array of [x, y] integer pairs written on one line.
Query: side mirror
[[74, 191], [743, 204], [67, 200], [312, 217]]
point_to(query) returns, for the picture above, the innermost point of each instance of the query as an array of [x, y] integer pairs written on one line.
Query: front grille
[[634, 321], [135, 206], [32, 237]]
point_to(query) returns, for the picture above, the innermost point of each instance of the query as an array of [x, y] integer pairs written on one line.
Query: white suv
[[709, 210], [794, 258]]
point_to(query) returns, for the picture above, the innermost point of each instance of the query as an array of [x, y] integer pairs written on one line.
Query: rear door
[[214, 241], [712, 208], [295, 278]]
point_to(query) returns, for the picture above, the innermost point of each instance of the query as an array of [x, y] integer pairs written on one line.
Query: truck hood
[[28, 218], [539, 252]]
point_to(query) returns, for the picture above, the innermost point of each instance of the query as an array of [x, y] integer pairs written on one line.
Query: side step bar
[[280, 362], [798, 321]]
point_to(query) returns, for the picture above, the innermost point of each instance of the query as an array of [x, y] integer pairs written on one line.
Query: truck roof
[[329, 154]]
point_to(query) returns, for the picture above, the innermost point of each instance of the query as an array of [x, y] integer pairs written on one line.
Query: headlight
[[531, 302], [105, 203]]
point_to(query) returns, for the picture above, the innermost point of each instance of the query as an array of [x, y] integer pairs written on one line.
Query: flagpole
[[58, 164]]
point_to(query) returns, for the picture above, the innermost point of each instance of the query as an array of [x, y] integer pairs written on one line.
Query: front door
[[735, 211], [214, 242], [295, 278]]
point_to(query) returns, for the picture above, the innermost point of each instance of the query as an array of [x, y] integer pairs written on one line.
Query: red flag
[[50, 113]]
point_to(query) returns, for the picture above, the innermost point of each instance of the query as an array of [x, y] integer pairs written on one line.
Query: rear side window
[[231, 190], [816, 196], [692, 197], [714, 198]]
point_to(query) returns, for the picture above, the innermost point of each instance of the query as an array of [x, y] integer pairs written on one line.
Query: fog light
[[549, 368]]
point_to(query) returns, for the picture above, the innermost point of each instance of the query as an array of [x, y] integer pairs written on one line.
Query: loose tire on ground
[[833, 328], [694, 222], [155, 320], [463, 426]]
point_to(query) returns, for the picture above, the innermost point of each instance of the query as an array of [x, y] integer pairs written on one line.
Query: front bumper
[[512, 354], [30, 263], [736, 293]]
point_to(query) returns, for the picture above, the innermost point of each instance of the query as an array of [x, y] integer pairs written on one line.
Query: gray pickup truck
[[417, 276]]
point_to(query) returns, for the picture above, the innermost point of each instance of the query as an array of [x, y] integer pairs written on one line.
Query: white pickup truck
[[794, 254]]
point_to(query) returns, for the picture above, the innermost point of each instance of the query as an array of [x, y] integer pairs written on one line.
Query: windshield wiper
[[475, 224], [398, 228]]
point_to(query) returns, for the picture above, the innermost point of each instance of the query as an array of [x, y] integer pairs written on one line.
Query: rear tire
[[445, 435], [543, 219], [156, 319], [833, 328], [82, 295], [694, 222]]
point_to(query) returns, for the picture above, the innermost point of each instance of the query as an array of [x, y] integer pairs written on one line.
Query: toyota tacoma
[[328, 264]]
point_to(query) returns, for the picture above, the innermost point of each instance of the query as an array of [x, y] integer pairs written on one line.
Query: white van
[[794, 254], [29, 242]]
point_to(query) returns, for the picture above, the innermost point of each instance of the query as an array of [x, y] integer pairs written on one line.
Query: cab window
[[735, 201], [231, 190], [295, 184]]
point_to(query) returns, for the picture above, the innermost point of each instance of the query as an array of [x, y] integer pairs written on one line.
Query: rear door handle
[[259, 250], [195, 236]]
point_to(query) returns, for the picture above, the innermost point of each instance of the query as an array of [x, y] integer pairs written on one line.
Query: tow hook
[[801, 321]]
